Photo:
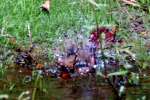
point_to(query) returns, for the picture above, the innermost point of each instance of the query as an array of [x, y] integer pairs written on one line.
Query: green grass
[[16, 15], [65, 14]]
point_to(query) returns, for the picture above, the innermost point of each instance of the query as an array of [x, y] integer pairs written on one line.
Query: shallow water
[[48, 88]]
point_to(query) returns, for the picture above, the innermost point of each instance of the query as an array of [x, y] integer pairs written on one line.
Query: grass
[[16, 15], [65, 14]]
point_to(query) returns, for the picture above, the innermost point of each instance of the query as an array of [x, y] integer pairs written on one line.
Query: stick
[[30, 35]]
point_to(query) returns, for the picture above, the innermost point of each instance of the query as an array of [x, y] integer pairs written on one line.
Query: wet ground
[[82, 89]]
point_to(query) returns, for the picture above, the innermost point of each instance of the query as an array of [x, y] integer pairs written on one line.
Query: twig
[[3, 34], [6, 35], [21, 96], [130, 16], [30, 35], [35, 88], [93, 2], [2, 30]]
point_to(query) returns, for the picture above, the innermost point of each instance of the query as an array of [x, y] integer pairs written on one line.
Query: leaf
[[118, 73], [65, 75], [131, 2], [39, 66], [96, 4], [93, 2], [46, 6], [12, 40]]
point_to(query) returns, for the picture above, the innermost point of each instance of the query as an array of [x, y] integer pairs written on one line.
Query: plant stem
[[30, 35], [35, 87]]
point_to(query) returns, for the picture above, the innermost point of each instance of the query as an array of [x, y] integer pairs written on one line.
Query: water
[[81, 89], [16, 81]]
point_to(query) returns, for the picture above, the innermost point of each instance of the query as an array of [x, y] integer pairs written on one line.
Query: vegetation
[[23, 22]]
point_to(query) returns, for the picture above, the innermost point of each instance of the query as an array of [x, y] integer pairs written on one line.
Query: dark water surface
[[54, 89]]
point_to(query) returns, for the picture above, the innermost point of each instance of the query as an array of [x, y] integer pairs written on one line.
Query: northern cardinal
[[109, 35]]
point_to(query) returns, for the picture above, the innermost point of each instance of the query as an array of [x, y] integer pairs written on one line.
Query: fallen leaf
[[147, 44], [65, 75], [46, 6], [114, 29], [93, 2], [131, 2], [12, 40], [144, 34], [39, 66]]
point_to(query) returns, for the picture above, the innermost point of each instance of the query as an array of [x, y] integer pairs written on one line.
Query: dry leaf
[[145, 34], [12, 40], [147, 44], [46, 6], [94, 3], [39, 66], [114, 29], [65, 75], [131, 2]]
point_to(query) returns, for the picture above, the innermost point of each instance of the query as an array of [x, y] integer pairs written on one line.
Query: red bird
[[109, 35]]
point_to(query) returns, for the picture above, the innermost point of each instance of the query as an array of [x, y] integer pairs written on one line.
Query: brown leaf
[[46, 6], [131, 2], [39, 66], [147, 44], [12, 40], [65, 75]]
